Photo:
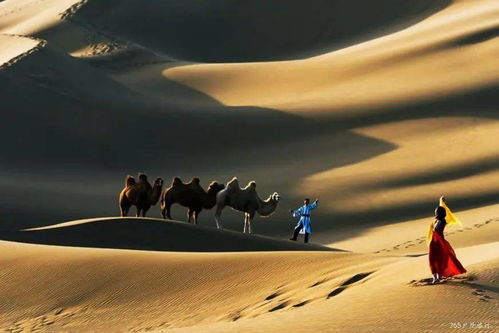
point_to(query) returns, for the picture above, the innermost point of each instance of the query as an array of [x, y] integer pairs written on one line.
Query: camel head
[[215, 187], [275, 197], [158, 182], [269, 206]]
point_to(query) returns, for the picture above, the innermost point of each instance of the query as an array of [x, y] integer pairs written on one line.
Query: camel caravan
[[191, 195]]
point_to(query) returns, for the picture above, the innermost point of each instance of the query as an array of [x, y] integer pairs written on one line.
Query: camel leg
[[218, 213], [196, 214], [250, 219], [138, 212], [189, 215], [123, 211], [168, 211], [163, 211], [245, 228], [124, 206], [144, 211]]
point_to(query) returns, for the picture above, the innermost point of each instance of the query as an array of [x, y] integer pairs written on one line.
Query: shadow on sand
[[153, 235]]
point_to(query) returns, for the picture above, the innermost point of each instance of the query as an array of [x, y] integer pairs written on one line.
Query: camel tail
[[129, 181]]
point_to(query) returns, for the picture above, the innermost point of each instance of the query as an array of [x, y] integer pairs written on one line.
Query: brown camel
[[244, 200], [140, 194], [190, 195]]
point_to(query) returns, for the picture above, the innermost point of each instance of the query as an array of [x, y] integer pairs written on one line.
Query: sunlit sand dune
[[431, 59], [91, 289], [377, 108]]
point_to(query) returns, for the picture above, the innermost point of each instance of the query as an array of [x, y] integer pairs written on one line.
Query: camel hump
[[142, 177], [215, 184], [233, 184], [129, 181], [251, 186], [176, 181], [195, 180]]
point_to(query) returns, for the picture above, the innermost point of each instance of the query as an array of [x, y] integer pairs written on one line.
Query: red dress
[[442, 257]]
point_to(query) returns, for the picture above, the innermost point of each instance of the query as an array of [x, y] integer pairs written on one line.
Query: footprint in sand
[[272, 296], [344, 285], [301, 304], [335, 292], [482, 296], [356, 278], [235, 316], [317, 283], [279, 307]]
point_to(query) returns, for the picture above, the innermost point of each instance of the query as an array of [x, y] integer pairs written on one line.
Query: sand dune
[[245, 291], [375, 107], [153, 234], [428, 60], [229, 31]]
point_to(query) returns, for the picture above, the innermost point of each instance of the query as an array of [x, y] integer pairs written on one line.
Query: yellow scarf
[[450, 218]]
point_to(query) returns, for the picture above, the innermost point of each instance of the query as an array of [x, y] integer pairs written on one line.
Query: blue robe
[[304, 213]]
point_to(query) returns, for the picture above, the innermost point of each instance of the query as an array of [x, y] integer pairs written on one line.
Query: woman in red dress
[[443, 261]]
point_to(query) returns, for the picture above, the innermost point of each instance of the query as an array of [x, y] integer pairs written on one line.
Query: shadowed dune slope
[[153, 234], [430, 60], [235, 31]]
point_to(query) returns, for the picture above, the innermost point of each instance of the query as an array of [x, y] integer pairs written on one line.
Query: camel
[[140, 194], [244, 200], [190, 195]]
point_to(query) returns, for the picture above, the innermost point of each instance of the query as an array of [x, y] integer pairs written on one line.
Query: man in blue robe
[[303, 226]]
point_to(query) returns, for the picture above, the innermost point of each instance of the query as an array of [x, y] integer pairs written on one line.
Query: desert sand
[[377, 108]]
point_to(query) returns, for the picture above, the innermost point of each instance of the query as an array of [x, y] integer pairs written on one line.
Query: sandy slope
[[376, 107], [153, 234], [78, 289], [429, 59]]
